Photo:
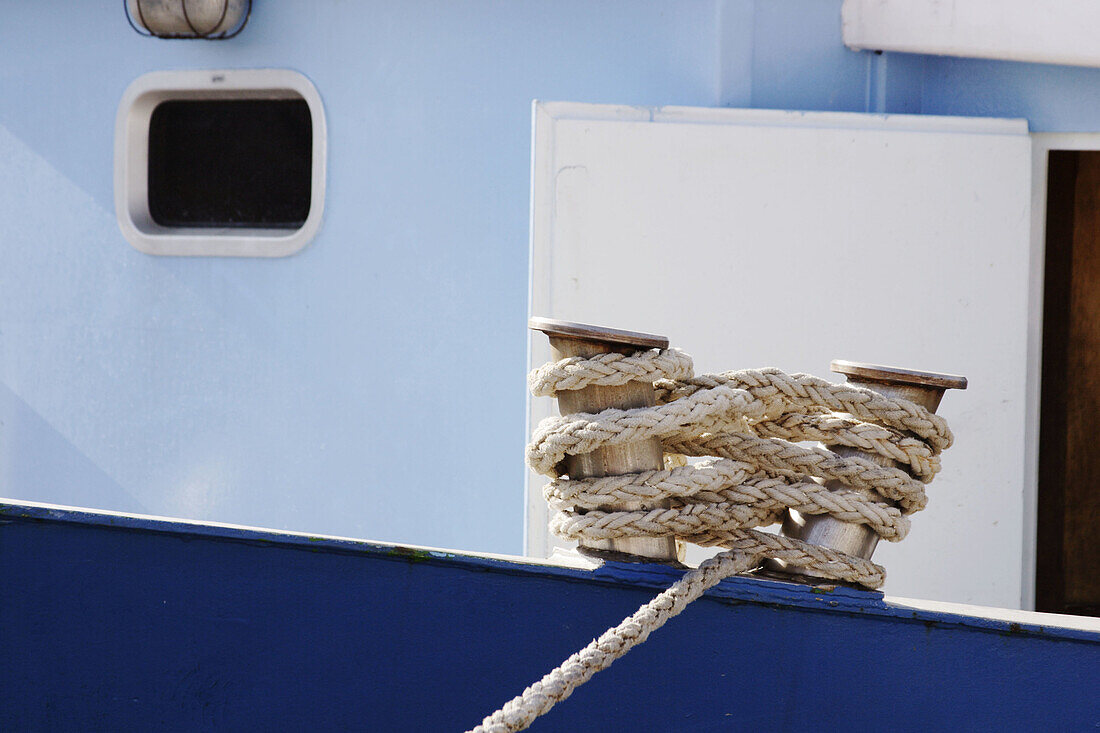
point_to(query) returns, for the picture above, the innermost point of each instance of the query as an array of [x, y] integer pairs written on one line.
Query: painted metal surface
[[133, 623]]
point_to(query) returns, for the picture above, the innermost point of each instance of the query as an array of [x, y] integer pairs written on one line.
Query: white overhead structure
[[762, 238], [1050, 32]]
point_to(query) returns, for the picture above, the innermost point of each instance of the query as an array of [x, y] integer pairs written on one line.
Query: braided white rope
[[748, 422], [559, 684], [608, 370]]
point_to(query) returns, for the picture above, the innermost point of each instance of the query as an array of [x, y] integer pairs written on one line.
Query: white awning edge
[[1049, 32]]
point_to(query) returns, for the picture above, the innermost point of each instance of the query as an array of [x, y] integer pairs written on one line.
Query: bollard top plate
[[897, 375], [602, 334]]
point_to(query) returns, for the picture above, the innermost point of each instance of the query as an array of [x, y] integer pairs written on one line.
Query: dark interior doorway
[[1068, 546]]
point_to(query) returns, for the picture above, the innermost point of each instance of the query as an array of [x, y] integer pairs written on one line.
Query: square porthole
[[220, 163]]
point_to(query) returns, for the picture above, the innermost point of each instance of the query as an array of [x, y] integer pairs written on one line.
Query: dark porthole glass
[[230, 163]]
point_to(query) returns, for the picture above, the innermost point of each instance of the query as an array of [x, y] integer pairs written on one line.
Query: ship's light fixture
[[220, 163], [210, 19]]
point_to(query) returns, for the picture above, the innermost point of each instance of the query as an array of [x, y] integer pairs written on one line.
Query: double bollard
[[576, 339]]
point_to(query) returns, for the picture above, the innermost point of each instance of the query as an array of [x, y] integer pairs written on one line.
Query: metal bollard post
[[925, 389], [578, 339]]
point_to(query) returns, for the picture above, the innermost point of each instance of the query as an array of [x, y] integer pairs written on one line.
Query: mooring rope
[[747, 425]]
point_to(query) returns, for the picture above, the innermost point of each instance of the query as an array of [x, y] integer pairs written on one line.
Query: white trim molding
[[132, 160], [1050, 32]]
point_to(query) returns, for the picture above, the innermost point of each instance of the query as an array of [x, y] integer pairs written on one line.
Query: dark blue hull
[[112, 622]]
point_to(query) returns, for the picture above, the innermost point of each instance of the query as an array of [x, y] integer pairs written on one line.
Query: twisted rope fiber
[[747, 425]]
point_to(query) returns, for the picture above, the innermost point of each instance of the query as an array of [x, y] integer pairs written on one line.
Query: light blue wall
[[372, 385], [1052, 98], [181, 628]]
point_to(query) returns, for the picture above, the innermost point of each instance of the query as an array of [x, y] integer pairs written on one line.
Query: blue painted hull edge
[[123, 622]]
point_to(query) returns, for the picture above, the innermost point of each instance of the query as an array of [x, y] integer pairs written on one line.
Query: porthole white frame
[[132, 162]]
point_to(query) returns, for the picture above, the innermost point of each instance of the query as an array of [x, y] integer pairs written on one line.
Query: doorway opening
[[1068, 505]]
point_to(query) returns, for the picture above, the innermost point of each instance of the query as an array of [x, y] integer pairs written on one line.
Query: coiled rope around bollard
[[747, 425]]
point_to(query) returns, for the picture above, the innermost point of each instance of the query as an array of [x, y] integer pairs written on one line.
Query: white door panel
[[758, 238]]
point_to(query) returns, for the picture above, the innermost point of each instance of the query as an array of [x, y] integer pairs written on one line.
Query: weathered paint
[[116, 622]]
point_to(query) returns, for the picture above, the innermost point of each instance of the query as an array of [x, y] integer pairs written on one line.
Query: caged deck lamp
[[209, 19]]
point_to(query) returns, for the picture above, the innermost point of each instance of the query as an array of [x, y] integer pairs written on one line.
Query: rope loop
[[609, 370]]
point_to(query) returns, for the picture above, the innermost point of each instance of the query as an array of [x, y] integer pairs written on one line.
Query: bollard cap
[[897, 375], [601, 334]]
